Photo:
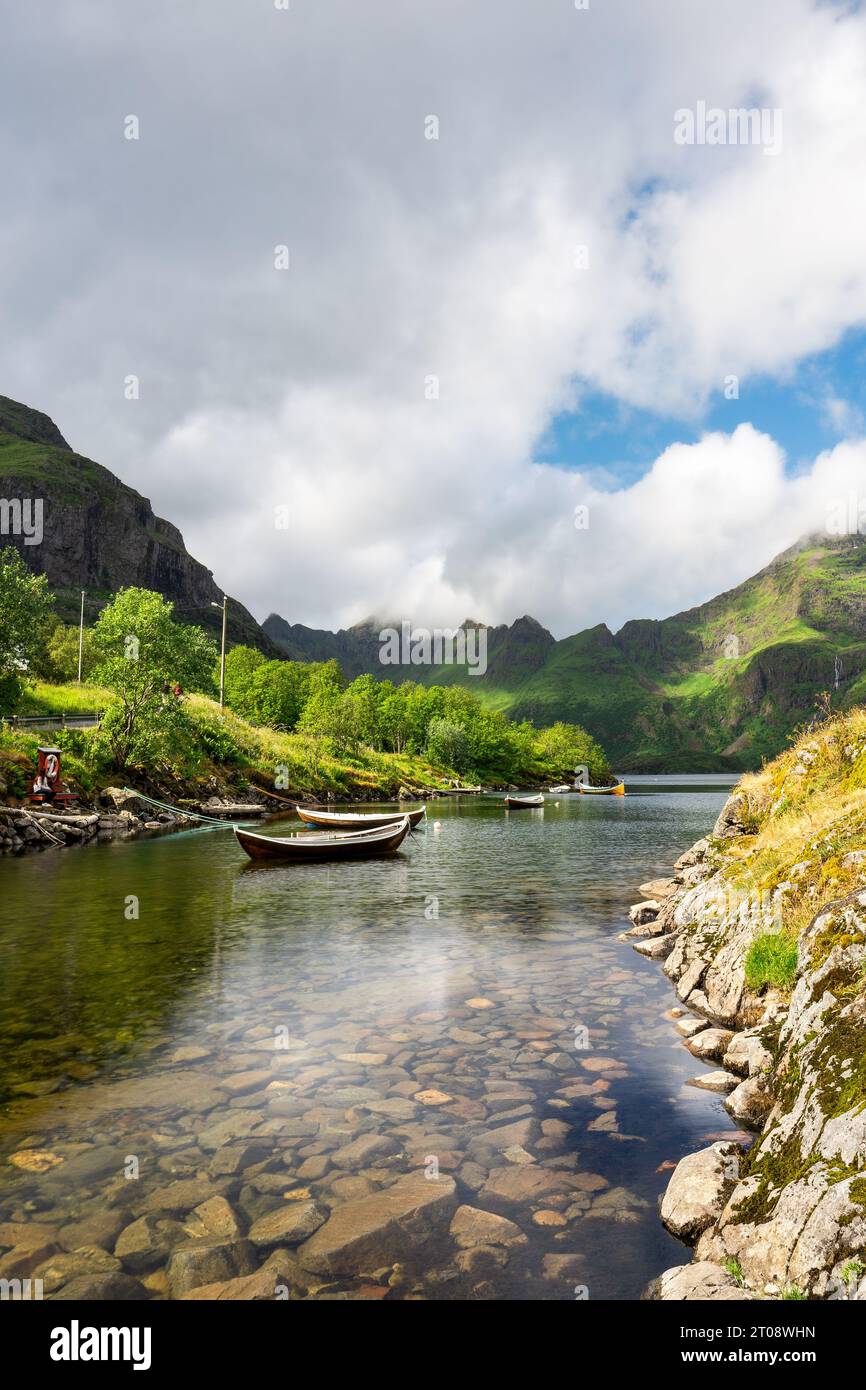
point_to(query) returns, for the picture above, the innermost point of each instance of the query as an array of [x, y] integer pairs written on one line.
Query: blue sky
[[817, 404]]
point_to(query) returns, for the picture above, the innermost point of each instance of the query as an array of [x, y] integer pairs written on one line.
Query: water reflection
[[466, 967]]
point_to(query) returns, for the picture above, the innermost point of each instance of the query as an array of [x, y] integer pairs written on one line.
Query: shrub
[[771, 960]]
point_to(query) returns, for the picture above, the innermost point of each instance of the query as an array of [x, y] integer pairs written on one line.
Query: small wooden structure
[[49, 789]]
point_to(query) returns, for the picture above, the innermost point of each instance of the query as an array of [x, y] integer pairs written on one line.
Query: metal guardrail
[[52, 721]]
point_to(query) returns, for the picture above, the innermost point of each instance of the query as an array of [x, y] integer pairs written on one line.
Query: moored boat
[[311, 847], [357, 820], [524, 803], [618, 790]]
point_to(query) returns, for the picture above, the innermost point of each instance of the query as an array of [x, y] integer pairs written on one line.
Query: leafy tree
[[242, 663], [58, 659], [447, 743], [563, 747], [138, 648], [278, 693], [325, 689], [25, 605]]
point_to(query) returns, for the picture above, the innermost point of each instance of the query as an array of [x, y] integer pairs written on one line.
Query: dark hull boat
[[524, 803], [310, 848], [353, 820]]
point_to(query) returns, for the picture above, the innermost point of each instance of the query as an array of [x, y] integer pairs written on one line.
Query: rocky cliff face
[[99, 534], [765, 942]]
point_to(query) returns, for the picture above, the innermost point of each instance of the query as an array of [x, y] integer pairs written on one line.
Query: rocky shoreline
[[124, 815], [121, 817], [784, 1217]]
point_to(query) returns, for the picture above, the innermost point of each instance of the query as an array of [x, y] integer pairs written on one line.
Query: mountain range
[[719, 687]]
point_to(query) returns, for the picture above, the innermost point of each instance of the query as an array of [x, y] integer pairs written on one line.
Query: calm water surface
[[242, 1000]]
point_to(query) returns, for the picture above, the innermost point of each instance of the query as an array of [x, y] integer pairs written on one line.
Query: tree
[[447, 744], [58, 659], [278, 693], [25, 605], [564, 747], [138, 648], [325, 689], [242, 664]]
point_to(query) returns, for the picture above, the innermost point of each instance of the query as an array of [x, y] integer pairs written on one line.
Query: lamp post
[[81, 636], [222, 652]]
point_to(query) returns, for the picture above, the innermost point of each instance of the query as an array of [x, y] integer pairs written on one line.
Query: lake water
[[309, 1006]]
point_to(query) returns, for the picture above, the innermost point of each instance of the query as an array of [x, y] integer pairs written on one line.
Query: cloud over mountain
[[410, 259]]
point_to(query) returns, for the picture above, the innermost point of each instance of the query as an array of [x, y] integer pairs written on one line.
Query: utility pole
[[81, 637], [223, 605]]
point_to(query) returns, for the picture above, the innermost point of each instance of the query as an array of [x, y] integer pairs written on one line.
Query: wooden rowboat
[[524, 803], [618, 790], [304, 848], [356, 820]]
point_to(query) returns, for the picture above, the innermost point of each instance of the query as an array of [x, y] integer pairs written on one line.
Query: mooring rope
[[186, 815]]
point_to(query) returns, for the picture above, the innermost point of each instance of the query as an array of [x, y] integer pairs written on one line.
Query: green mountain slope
[[717, 688], [723, 684]]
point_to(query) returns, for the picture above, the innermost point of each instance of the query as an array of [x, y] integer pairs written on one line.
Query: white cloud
[[414, 257]]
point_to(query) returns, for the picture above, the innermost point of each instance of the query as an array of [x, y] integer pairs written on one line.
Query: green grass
[[735, 1269], [54, 700], [771, 960], [60, 472], [221, 747]]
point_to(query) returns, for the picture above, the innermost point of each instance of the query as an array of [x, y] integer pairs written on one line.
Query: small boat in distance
[[311, 847], [357, 820], [524, 803], [562, 789], [618, 790]]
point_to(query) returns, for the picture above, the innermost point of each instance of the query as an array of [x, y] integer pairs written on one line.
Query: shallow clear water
[[520, 910]]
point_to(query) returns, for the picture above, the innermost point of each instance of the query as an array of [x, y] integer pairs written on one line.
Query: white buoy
[[437, 825]]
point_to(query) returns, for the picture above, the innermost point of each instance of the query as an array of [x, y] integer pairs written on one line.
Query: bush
[[771, 960]]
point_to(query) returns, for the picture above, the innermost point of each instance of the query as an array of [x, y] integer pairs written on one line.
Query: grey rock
[[698, 1282], [751, 1102], [698, 1189]]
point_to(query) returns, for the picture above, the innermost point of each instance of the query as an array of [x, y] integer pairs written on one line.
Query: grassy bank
[[223, 754], [767, 949], [805, 813]]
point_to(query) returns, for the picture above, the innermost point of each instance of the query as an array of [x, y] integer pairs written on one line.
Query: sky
[[446, 310]]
